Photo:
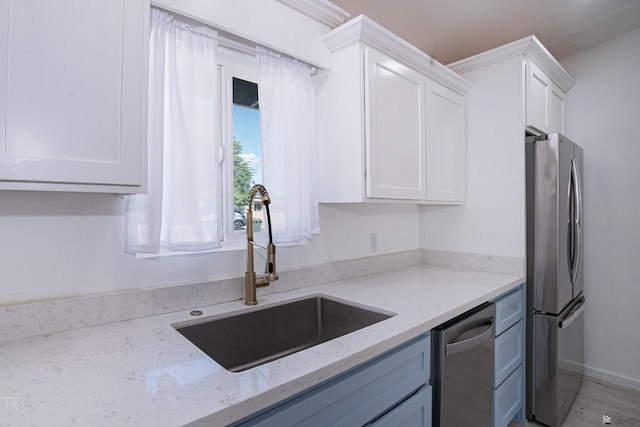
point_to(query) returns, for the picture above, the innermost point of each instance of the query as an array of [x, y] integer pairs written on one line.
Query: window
[[210, 110], [240, 140], [247, 148]]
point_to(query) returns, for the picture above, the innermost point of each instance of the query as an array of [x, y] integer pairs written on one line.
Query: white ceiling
[[449, 30]]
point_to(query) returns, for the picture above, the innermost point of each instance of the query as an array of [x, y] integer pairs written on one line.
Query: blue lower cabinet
[[381, 391], [509, 352], [413, 412], [508, 398], [510, 308], [509, 363]]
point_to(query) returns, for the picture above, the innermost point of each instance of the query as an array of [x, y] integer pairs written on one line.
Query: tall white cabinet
[[390, 121], [516, 87], [73, 97]]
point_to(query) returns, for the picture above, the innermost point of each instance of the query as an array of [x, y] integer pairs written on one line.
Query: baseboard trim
[[613, 378]]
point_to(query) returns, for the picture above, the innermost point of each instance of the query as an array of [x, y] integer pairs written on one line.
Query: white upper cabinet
[[395, 116], [73, 102], [545, 101], [538, 75], [538, 90], [390, 121], [446, 145]]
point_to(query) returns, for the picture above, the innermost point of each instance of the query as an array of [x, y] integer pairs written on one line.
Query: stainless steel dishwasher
[[462, 369]]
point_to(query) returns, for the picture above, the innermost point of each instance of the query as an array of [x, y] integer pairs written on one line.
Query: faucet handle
[[270, 266]]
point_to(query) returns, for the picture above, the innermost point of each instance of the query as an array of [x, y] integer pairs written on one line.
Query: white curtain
[[287, 112], [180, 211]]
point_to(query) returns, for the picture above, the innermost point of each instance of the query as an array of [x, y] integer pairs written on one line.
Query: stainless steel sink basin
[[251, 338]]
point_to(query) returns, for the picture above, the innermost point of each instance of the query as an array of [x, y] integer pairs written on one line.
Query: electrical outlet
[[373, 242]]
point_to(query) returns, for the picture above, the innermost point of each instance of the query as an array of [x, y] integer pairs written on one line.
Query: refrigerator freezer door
[[553, 224], [558, 363]]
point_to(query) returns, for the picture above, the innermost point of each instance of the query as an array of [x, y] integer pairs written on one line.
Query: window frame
[[243, 65]]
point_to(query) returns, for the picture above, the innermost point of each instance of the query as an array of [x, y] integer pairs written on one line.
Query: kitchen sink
[[243, 340]]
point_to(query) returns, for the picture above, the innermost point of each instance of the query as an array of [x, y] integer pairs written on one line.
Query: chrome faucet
[[251, 281]]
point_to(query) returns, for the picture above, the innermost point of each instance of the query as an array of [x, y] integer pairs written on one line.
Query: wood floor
[[597, 399]]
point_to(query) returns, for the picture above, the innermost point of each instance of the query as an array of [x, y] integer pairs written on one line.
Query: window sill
[[236, 243]]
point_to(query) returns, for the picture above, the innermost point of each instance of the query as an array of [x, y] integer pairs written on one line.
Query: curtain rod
[[250, 49], [230, 41]]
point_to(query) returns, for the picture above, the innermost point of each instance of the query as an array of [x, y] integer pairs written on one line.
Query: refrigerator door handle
[[577, 259], [575, 312], [575, 171], [571, 219], [468, 344]]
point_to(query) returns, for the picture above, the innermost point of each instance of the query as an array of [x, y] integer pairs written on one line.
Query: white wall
[[603, 112], [492, 219], [55, 245]]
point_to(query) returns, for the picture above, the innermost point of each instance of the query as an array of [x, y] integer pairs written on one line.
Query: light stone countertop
[[142, 372]]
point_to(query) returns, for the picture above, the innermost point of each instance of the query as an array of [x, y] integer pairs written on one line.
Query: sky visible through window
[[246, 129]]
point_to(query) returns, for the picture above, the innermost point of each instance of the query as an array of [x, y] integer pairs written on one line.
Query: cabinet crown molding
[[321, 10], [363, 29], [529, 47]]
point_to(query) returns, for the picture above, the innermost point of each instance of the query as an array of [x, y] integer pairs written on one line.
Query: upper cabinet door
[[373, 120], [538, 90], [446, 145], [395, 116], [545, 101], [556, 109], [73, 95]]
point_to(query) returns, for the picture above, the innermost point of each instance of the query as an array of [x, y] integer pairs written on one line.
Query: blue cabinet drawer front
[[509, 310], [508, 398], [413, 412], [358, 396], [509, 352]]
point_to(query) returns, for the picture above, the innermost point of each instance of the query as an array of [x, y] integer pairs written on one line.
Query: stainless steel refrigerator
[[555, 299]]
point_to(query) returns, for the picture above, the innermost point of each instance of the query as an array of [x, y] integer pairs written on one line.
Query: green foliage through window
[[242, 176]]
